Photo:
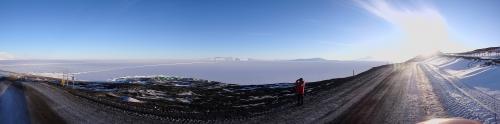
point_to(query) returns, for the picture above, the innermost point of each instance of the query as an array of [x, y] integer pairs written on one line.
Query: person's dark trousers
[[300, 99]]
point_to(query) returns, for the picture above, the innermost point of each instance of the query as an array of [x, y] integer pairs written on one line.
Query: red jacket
[[300, 86]]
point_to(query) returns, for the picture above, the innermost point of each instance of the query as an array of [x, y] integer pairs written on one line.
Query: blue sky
[[263, 29]]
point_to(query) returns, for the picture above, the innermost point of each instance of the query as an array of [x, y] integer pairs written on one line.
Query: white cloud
[[6, 56], [425, 29]]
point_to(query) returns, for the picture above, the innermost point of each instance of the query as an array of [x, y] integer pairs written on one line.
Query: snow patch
[[130, 99], [189, 93]]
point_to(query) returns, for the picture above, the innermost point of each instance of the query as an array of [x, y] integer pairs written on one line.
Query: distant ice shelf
[[236, 72]]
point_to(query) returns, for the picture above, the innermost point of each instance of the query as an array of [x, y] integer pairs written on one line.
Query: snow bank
[[475, 73], [486, 79], [438, 61]]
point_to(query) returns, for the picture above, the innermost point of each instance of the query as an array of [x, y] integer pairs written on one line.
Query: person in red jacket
[[299, 89]]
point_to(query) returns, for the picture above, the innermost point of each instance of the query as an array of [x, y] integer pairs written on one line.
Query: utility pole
[[72, 80], [63, 80]]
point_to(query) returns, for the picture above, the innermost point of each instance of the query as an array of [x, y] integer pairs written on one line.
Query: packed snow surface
[[238, 72]]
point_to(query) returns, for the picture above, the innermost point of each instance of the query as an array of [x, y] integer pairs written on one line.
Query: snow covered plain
[[237, 72]]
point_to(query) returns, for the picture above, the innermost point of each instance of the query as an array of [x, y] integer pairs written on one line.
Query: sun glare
[[425, 30]]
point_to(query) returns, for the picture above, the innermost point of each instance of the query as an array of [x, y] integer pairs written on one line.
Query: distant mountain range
[[310, 59]]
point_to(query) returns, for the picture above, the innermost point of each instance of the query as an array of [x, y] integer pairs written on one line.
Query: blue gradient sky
[[265, 29]]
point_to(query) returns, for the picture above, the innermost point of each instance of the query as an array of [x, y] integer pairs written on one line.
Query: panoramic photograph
[[249, 62]]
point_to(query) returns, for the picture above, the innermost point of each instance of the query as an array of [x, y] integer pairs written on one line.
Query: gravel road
[[404, 97], [20, 106]]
